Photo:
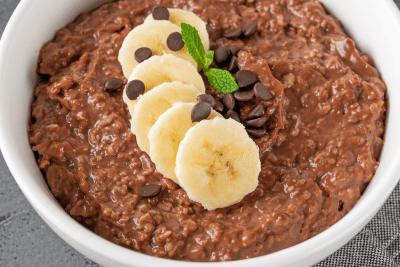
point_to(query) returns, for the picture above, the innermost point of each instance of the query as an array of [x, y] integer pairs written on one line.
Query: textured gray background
[[25, 240]]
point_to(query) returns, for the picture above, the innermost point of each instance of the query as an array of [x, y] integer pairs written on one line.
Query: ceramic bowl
[[374, 25]]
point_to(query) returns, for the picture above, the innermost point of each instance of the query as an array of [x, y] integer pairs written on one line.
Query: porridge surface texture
[[324, 131]]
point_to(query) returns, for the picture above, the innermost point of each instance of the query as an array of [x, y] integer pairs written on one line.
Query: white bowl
[[375, 25]]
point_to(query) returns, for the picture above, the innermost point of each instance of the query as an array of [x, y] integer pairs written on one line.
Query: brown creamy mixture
[[325, 126]]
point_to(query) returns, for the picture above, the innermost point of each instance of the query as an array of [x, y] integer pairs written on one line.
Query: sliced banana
[[177, 16], [152, 35], [151, 105], [160, 69], [217, 163], [167, 133]]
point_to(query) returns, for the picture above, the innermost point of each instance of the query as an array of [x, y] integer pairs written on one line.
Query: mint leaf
[[222, 80], [209, 58], [193, 43]]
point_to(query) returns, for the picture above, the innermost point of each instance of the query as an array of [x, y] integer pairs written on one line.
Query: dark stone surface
[[6, 9], [25, 239]]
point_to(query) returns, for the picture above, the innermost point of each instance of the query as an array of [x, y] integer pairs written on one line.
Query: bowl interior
[[376, 30]]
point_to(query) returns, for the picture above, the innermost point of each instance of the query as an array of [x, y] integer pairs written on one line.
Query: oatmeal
[[320, 140]]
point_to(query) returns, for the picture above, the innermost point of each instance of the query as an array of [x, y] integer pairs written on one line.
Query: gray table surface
[[25, 239]]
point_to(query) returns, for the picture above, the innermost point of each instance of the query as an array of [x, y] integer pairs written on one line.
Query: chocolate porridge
[[323, 131]]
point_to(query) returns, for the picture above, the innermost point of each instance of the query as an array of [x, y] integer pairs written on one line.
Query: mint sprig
[[193, 43], [209, 58], [221, 80]]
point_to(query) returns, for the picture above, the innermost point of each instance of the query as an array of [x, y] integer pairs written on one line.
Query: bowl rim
[[356, 218]]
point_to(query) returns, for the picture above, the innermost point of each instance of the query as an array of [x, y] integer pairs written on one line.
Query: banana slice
[[151, 105], [177, 16], [217, 163], [167, 133], [152, 35], [160, 69]]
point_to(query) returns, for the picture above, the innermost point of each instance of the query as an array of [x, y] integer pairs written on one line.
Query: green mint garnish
[[193, 43], [221, 80], [209, 58]]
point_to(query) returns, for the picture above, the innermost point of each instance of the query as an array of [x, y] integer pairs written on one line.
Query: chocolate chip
[[175, 41], [243, 95], [229, 101], [113, 84], [256, 122], [222, 56], [245, 78], [260, 132], [233, 66], [151, 190], [233, 115], [233, 33], [134, 89], [251, 30], [256, 112], [206, 98], [262, 92], [142, 54], [160, 13], [201, 111], [235, 50], [218, 106], [340, 207]]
